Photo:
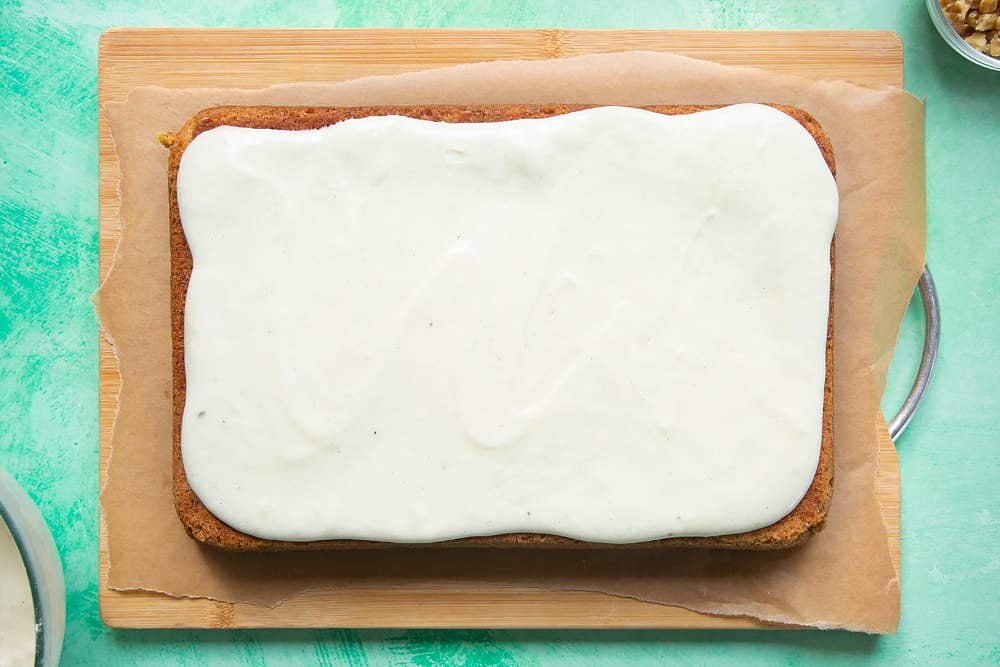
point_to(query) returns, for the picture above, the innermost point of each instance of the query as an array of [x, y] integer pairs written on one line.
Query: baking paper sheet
[[841, 578]]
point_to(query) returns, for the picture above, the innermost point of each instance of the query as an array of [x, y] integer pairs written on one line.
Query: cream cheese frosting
[[608, 325]]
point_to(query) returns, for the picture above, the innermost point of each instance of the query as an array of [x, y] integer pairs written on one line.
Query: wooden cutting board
[[183, 58]]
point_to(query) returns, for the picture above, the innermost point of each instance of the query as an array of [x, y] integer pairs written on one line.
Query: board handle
[[932, 338]]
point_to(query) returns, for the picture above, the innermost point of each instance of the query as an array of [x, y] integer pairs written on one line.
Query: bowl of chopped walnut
[[971, 27]]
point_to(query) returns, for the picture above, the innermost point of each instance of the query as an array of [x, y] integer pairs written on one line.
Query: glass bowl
[[954, 41], [41, 561]]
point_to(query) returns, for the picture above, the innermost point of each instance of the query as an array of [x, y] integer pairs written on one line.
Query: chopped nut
[[995, 46], [977, 40], [988, 6], [971, 18], [986, 22]]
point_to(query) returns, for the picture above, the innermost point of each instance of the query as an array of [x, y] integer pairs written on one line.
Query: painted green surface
[[48, 359]]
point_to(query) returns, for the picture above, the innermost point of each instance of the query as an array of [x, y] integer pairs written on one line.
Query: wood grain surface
[[177, 58]]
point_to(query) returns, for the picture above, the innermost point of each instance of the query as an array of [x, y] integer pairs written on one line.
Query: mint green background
[[48, 364]]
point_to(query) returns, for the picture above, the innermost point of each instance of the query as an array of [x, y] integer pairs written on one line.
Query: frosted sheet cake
[[544, 325]]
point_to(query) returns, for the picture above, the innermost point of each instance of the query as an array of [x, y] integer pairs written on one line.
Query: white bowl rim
[[17, 510]]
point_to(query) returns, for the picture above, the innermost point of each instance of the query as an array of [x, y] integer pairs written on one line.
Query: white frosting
[[608, 325], [17, 611]]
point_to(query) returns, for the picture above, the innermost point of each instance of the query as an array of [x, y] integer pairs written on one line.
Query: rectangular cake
[[546, 325]]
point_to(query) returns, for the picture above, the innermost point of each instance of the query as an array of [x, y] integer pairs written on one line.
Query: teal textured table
[[48, 364]]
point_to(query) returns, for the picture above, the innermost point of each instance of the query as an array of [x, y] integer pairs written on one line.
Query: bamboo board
[[224, 58]]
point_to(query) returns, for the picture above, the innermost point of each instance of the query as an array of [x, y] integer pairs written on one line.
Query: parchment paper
[[842, 578]]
